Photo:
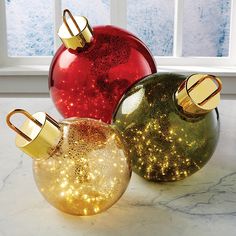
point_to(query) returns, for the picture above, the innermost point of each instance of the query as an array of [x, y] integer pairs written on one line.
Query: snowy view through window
[[206, 25], [29, 27], [206, 28]]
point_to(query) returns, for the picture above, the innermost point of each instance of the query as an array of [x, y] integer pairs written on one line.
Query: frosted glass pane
[[206, 28], [97, 12], [29, 27], [153, 22]]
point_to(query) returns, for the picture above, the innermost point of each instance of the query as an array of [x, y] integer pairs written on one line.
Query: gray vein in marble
[[5, 179], [218, 199]]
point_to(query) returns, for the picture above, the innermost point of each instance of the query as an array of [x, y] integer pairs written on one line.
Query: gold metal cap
[[75, 32], [39, 134], [199, 94]]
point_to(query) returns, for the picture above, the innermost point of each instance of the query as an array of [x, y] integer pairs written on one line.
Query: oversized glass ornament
[[81, 166], [94, 67], [170, 124]]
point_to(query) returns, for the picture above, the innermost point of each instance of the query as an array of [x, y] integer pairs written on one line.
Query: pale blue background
[[206, 25]]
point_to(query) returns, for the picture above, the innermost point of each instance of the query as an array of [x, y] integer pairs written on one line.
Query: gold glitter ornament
[[170, 124], [80, 166]]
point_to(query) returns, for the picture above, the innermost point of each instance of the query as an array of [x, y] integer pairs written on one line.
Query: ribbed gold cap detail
[[75, 32], [199, 94], [39, 134]]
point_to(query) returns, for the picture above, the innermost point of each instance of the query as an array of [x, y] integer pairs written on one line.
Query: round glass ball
[[88, 171], [90, 81], [165, 144]]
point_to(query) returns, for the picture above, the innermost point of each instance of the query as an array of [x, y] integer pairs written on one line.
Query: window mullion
[[178, 28], [3, 33], [232, 44], [119, 13], [57, 22]]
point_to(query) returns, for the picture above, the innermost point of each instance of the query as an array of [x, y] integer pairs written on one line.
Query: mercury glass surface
[[165, 144], [88, 171]]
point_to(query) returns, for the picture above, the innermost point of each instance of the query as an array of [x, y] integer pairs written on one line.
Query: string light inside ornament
[[81, 166], [94, 67], [173, 128]]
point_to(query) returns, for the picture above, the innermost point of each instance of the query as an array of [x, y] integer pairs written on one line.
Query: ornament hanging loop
[[75, 32], [18, 131], [213, 78], [66, 11]]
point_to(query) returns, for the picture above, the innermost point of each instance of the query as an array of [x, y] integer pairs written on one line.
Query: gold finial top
[[75, 32], [39, 134], [199, 94]]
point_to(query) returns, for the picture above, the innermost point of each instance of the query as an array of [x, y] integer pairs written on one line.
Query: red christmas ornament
[[92, 70]]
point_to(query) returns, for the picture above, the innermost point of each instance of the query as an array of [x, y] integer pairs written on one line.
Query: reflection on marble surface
[[204, 203]]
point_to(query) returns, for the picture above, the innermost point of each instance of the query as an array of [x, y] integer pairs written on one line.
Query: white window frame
[[177, 60], [28, 76], [119, 17]]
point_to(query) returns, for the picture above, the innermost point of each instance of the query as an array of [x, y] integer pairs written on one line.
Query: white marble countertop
[[204, 204]]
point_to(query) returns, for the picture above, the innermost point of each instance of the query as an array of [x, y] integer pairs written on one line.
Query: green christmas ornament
[[171, 124]]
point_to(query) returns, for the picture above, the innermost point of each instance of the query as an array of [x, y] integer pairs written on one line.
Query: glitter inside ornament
[[87, 170], [167, 143], [89, 81]]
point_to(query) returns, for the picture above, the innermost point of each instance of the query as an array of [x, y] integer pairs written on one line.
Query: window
[[178, 32]]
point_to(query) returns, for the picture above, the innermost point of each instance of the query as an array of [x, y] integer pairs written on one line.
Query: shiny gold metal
[[73, 20], [75, 32], [39, 134], [199, 94], [13, 127]]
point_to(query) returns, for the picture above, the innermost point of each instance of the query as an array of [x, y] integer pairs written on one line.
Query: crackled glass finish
[[87, 172], [165, 144], [90, 82]]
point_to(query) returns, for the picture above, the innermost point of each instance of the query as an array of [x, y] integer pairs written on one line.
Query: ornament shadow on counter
[[94, 67], [81, 166], [170, 123]]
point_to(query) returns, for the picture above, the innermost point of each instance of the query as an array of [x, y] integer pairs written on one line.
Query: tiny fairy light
[[174, 129], [81, 166]]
